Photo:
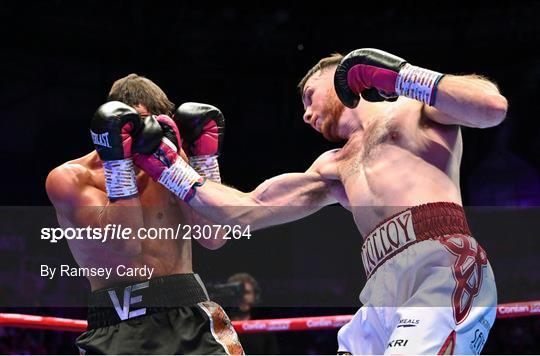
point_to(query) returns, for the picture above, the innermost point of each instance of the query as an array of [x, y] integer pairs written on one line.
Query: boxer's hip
[[424, 249], [401, 231], [430, 286]]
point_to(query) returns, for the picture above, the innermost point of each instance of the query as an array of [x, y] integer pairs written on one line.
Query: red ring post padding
[[42, 322], [508, 310]]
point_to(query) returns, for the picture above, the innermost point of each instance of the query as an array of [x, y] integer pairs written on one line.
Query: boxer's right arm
[[80, 204]]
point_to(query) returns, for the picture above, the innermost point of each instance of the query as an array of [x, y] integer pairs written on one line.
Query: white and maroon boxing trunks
[[430, 288]]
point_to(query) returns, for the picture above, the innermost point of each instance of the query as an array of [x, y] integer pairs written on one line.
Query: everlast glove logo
[[123, 310], [386, 239], [100, 139]]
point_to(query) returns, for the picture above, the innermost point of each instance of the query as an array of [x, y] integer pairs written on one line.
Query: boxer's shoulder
[[329, 156], [326, 158], [75, 171], [326, 165], [70, 177]]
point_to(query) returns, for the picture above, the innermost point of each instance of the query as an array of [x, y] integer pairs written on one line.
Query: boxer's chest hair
[[362, 147]]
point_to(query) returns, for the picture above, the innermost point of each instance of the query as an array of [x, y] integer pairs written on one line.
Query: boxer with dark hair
[[167, 311], [430, 287], [142, 94]]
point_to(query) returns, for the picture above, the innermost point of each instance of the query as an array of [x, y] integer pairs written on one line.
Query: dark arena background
[[59, 59]]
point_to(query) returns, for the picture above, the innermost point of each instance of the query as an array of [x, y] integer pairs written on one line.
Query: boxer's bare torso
[[77, 189], [401, 159], [397, 154]]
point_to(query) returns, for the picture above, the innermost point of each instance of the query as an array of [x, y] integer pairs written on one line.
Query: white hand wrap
[[206, 166], [180, 178], [418, 83], [120, 179]]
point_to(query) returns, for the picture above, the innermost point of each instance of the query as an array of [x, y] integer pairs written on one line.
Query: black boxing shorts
[[164, 315]]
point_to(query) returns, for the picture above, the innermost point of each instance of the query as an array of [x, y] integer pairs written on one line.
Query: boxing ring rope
[[504, 311]]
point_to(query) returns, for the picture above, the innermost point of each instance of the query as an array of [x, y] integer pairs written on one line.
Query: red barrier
[[508, 310]]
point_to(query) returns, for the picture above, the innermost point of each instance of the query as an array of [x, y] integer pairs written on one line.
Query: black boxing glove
[[377, 75], [202, 128], [112, 127], [149, 137]]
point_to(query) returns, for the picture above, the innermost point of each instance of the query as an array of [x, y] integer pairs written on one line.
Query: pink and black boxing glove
[[164, 164], [202, 128], [377, 75], [112, 127]]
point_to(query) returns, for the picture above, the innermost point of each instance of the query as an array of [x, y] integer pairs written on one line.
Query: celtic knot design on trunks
[[467, 271]]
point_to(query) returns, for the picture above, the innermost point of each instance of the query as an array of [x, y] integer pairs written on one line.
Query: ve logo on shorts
[[123, 310]]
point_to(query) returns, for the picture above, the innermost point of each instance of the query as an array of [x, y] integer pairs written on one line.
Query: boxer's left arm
[[163, 164], [467, 100], [281, 199], [375, 75]]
